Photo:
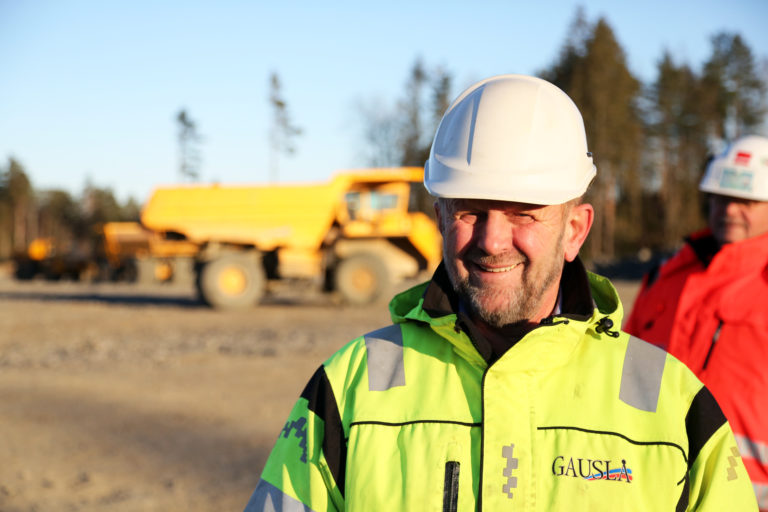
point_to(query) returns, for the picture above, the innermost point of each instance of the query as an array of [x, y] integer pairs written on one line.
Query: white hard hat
[[740, 171], [510, 138]]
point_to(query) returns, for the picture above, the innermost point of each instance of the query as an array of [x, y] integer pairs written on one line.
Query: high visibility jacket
[[421, 415], [709, 308]]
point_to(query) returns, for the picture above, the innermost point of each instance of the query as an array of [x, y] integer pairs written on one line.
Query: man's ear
[[438, 216], [578, 222]]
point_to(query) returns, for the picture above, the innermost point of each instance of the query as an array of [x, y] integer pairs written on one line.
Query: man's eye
[[523, 217], [468, 217]]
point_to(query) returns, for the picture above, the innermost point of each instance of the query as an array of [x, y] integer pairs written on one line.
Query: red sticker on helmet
[[742, 158]]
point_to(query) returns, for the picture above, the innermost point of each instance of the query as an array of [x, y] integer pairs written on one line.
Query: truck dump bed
[[265, 217]]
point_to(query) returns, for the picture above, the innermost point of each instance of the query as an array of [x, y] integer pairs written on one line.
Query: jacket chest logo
[[592, 469]]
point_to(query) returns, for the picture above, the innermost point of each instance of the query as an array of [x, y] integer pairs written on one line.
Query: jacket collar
[[738, 257], [440, 301], [704, 245]]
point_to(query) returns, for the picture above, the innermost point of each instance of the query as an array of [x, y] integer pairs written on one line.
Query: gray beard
[[523, 301]]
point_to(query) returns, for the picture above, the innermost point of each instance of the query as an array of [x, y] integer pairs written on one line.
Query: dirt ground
[[126, 398]]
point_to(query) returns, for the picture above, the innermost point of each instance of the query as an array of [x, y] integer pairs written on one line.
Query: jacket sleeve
[[305, 470], [717, 479]]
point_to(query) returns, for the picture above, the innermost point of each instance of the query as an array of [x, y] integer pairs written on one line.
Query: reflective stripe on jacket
[[572, 417], [709, 309]]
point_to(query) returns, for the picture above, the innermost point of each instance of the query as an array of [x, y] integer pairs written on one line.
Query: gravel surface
[[127, 398]]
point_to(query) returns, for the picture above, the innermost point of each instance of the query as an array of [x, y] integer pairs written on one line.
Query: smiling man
[[708, 305], [503, 382]]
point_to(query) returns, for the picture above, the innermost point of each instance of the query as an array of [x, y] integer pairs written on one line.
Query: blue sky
[[90, 89]]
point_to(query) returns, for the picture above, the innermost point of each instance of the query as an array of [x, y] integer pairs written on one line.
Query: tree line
[[650, 142], [73, 221]]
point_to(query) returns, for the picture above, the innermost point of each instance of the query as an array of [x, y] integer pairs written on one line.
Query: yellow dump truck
[[355, 234], [117, 251], [54, 259], [131, 252]]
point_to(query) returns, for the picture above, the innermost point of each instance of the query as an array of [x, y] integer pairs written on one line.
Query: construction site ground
[[127, 397]]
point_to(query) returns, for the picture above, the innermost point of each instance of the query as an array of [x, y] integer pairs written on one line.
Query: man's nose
[[732, 208], [495, 233]]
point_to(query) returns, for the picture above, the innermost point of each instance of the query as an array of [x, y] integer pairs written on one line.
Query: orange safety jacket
[[709, 308]]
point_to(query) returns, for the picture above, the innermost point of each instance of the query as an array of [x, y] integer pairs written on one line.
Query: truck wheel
[[26, 270], [232, 281], [361, 278]]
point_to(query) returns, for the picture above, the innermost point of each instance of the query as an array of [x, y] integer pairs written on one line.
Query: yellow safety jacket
[[423, 415]]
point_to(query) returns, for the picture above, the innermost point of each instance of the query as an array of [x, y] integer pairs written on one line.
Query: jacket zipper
[[451, 488], [715, 337]]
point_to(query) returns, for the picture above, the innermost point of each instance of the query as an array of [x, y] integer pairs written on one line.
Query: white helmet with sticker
[[740, 171]]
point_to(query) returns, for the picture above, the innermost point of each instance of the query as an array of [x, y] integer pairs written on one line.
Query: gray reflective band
[[268, 498], [761, 491], [641, 375], [385, 358], [752, 449]]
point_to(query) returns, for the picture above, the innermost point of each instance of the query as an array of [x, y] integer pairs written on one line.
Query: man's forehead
[[492, 204], [734, 199]]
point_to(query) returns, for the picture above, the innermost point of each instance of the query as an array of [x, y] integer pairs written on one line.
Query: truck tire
[[232, 281], [183, 271], [26, 270], [145, 270], [361, 278]]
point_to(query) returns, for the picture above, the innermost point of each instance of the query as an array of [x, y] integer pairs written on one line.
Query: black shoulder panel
[[702, 421], [322, 402], [682, 503]]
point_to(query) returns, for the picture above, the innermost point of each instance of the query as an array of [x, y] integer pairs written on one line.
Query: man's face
[[733, 219], [504, 259]]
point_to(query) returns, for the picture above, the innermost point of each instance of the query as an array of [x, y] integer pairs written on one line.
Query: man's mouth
[[497, 270], [730, 224]]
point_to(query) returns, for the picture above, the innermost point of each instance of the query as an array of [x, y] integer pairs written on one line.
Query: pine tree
[[402, 135], [592, 70], [734, 93], [677, 148], [283, 131], [189, 152], [412, 146], [16, 209]]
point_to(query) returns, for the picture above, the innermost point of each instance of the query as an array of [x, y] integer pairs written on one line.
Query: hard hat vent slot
[[473, 124]]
